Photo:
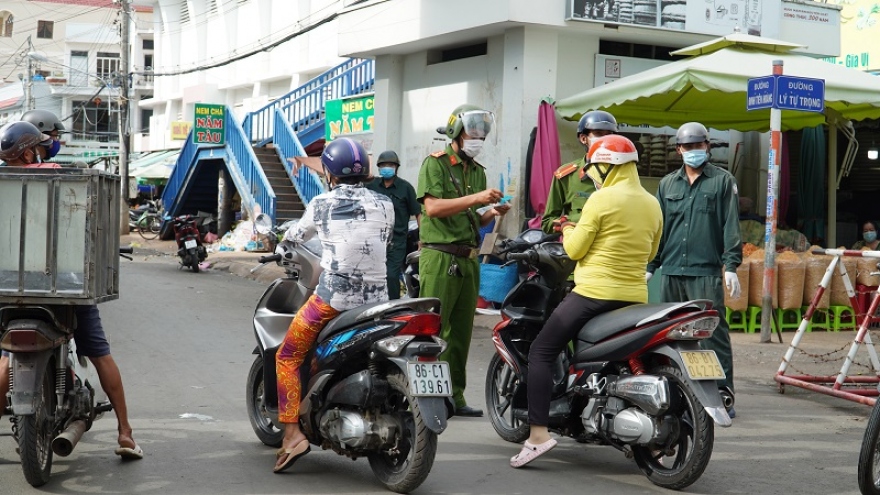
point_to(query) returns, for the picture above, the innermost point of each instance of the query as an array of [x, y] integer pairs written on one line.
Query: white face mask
[[472, 147]]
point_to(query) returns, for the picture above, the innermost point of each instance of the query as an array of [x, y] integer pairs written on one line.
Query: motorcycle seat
[[614, 322], [372, 311]]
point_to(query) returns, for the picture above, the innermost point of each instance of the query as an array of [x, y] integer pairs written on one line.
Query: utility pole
[[29, 84], [124, 131]]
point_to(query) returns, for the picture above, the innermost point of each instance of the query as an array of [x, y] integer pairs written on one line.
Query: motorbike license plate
[[429, 379], [702, 365], [190, 244]]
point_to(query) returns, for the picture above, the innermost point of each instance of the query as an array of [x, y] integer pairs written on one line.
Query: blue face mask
[[869, 236], [386, 172], [55, 148], [694, 158]]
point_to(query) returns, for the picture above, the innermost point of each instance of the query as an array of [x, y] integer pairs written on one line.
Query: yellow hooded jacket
[[615, 238]]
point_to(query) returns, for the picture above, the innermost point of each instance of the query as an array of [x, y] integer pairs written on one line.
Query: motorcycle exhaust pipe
[[64, 443], [726, 397]]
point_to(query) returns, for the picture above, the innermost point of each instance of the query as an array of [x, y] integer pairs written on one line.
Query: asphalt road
[[184, 341]]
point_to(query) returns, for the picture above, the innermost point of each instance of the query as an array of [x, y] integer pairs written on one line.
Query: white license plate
[[429, 379], [702, 365], [190, 244]]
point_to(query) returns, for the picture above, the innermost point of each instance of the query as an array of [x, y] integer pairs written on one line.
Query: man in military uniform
[[452, 185], [570, 186], [403, 197], [701, 236]]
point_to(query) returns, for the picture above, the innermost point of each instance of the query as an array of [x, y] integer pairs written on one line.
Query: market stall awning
[[87, 156], [150, 158], [710, 87]]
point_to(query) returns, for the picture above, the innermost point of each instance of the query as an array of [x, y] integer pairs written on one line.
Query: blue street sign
[[760, 92], [800, 93]]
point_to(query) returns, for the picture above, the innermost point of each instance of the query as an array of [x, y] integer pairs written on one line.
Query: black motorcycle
[[372, 384], [634, 378]]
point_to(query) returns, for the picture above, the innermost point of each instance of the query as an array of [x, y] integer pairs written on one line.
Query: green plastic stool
[[789, 319], [837, 313], [755, 320], [736, 320], [821, 319]]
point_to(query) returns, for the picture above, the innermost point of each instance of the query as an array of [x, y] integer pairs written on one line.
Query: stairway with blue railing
[[287, 123]]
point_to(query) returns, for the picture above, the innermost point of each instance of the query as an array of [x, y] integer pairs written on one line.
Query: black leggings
[[563, 325]]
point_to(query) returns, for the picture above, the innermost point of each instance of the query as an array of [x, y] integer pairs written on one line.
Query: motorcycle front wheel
[[869, 456], [502, 385], [36, 431], [683, 460], [404, 469], [256, 407]]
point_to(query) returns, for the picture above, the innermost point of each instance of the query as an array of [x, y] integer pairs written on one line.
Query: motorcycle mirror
[[263, 223]]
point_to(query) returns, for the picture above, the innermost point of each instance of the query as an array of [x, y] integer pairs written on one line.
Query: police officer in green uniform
[[570, 187], [403, 197], [452, 185], [700, 237]]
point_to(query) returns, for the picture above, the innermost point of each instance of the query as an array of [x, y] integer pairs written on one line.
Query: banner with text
[[210, 122], [348, 116]]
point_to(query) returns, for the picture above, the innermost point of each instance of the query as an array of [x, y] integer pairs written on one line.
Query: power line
[[247, 54]]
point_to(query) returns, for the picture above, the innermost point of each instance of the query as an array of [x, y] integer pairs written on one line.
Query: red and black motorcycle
[[635, 378], [189, 241]]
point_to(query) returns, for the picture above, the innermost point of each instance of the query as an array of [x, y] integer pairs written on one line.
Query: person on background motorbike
[[701, 238], [403, 197], [19, 147], [452, 185], [616, 236], [570, 187], [49, 124], [354, 226]]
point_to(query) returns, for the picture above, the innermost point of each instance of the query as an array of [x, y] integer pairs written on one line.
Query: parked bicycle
[[147, 219]]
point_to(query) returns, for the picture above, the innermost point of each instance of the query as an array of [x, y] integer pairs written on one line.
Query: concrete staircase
[[288, 204]]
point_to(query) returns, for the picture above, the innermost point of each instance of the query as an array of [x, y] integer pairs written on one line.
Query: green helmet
[[472, 119]]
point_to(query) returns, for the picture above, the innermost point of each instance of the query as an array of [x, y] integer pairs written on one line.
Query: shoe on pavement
[[530, 452], [469, 412]]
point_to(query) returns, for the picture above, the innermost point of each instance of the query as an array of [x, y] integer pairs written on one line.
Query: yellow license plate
[[702, 365]]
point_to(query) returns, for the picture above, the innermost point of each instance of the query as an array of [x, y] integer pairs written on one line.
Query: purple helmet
[[345, 157], [17, 137]]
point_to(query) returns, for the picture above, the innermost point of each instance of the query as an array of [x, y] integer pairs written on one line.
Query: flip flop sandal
[[290, 456], [129, 453], [530, 452]]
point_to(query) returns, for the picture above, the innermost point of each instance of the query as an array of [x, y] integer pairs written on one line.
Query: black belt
[[459, 250]]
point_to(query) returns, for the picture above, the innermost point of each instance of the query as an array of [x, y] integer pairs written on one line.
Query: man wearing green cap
[[403, 197], [452, 185]]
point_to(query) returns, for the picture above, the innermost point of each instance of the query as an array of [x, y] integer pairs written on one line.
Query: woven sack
[[790, 272], [814, 270], [756, 281], [838, 290], [864, 267], [740, 303]]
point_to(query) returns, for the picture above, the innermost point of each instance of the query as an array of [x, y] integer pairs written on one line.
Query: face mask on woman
[[869, 236]]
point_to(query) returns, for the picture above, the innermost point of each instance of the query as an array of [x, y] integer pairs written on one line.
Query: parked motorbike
[[189, 241], [635, 378], [372, 384], [54, 394], [145, 216]]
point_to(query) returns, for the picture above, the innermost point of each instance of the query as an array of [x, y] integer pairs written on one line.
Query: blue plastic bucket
[[496, 281]]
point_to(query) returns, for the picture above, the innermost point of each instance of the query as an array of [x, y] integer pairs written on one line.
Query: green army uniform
[[700, 237], [403, 197], [568, 194], [457, 289]]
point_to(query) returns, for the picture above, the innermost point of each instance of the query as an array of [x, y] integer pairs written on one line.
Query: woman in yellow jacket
[[617, 235]]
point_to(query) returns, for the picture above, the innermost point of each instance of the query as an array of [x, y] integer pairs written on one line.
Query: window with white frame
[[108, 65], [95, 120]]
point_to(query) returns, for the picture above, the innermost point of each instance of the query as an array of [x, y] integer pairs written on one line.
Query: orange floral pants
[[304, 329]]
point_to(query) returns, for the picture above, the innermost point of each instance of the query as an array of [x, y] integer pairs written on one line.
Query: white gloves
[[732, 283], [648, 276]]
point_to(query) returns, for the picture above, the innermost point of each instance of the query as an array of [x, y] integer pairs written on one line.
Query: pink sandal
[[530, 452]]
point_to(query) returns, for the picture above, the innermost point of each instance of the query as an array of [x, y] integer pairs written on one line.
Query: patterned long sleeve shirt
[[354, 226]]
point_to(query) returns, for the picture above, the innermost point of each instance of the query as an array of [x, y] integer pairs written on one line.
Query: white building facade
[[502, 55]]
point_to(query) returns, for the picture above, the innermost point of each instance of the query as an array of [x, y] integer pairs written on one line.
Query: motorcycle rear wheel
[[256, 408], [869, 455], [417, 445], [36, 431], [194, 260], [501, 386], [696, 432]]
